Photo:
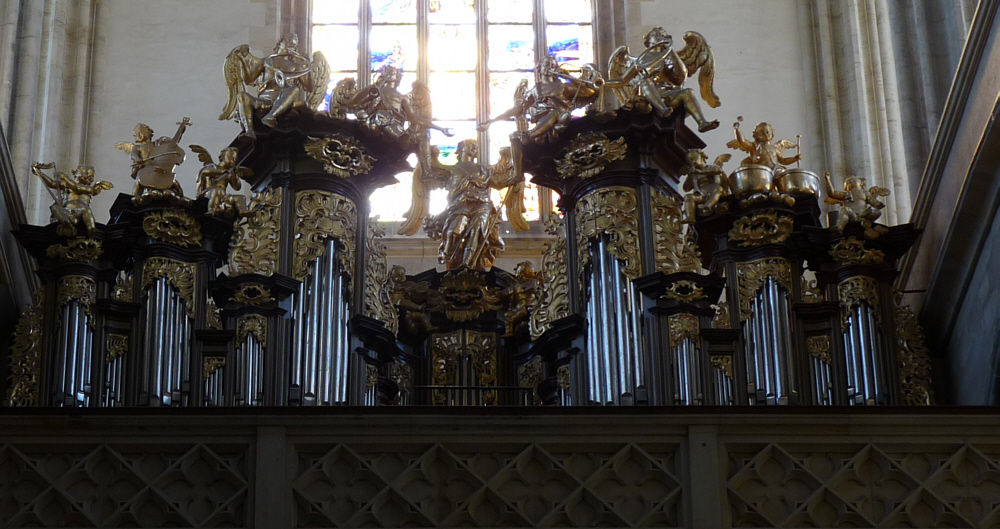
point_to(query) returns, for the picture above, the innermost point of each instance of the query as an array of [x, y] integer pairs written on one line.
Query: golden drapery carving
[[611, 211], [378, 285], [588, 154], [172, 226], [82, 249], [767, 227], [24, 362], [553, 303], [257, 235], [116, 345], [321, 215], [914, 359], [179, 274], [852, 292], [342, 156], [448, 349], [682, 327], [852, 251], [251, 325], [752, 275], [674, 250]]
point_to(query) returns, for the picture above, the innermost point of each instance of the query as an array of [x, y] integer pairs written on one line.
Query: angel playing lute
[[658, 74]]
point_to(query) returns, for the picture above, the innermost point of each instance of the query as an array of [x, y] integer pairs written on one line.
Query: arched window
[[471, 53]]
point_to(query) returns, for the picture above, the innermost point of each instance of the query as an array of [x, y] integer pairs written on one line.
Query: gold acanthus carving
[[819, 347], [722, 319], [321, 215], [553, 302], [464, 296], [116, 345], [379, 287], [611, 211], [914, 359], [24, 362], [752, 275], [252, 294], [342, 156], [213, 316], [81, 289], [172, 226], [851, 251], [252, 325], [674, 250], [447, 350], [723, 363], [122, 290], [811, 292], [212, 364], [852, 292], [682, 327], [588, 155], [256, 236], [179, 274], [83, 249], [767, 227]]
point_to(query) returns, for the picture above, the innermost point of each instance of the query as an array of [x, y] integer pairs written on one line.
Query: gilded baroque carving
[[172, 226], [563, 377], [251, 325], [177, 273], [83, 249], [752, 275], [371, 377], [819, 347], [379, 286], [342, 156], [321, 215], [611, 211], [256, 236], [25, 356], [76, 288], [448, 349], [464, 296], [213, 316], [588, 155], [722, 319], [115, 346], [553, 303], [914, 359], [682, 327], [767, 227], [811, 292], [851, 251], [723, 363], [853, 291], [122, 290], [212, 364], [252, 294], [685, 290], [401, 374], [529, 375], [674, 250]]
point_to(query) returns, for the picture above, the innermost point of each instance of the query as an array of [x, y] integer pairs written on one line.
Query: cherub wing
[[419, 204], [243, 173], [238, 69], [501, 175], [420, 100], [319, 80], [784, 144], [878, 191], [618, 64], [125, 146], [722, 158], [697, 55], [203, 156]]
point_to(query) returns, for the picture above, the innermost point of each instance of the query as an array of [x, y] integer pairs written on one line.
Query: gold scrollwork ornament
[[116, 346], [83, 249], [252, 325], [914, 359], [256, 235], [588, 155], [77, 288], [252, 294], [464, 296], [177, 273], [685, 290], [752, 275], [674, 250], [682, 327], [853, 291], [553, 303], [767, 227], [851, 251], [212, 364], [379, 286], [172, 226], [819, 347], [723, 363], [25, 355], [611, 211], [342, 156], [322, 215]]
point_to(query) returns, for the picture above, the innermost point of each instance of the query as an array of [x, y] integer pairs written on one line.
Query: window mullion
[[538, 24], [482, 78], [423, 38], [364, 43]]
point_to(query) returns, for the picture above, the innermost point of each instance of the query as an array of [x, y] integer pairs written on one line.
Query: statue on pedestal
[[71, 207], [761, 151], [215, 178], [706, 184], [153, 162], [857, 204]]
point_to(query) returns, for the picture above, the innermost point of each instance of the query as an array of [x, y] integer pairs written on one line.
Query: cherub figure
[[283, 80], [761, 150], [215, 178], [857, 204], [706, 184], [657, 75], [71, 207], [153, 162], [523, 295]]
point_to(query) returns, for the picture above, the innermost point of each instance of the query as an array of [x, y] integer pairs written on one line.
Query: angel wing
[[420, 100], [319, 80], [125, 146], [243, 173], [203, 156], [697, 55], [340, 100], [721, 159], [878, 191], [784, 144], [419, 204], [618, 64], [501, 175], [241, 67]]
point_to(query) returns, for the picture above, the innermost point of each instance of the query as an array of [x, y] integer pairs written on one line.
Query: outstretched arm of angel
[[38, 169], [417, 107], [832, 195]]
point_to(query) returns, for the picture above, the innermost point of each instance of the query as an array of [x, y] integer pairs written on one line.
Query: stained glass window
[[475, 52]]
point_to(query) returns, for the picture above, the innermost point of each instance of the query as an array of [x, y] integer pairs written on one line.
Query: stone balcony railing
[[454, 467]]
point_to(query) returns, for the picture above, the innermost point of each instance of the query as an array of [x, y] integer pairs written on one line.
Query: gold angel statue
[[469, 227], [71, 206], [857, 204], [279, 82], [214, 179], [656, 77], [763, 150], [706, 184]]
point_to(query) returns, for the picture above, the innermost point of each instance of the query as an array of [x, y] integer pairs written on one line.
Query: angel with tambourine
[[656, 77], [469, 227], [282, 81]]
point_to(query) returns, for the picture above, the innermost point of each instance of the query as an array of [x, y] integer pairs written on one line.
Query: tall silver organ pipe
[[214, 377], [616, 365], [687, 373], [321, 357], [767, 335], [865, 354], [72, 385], [249, 372], [167, 346]]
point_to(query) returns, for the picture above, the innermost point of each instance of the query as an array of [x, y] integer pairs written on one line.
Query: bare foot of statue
[[708, 125]]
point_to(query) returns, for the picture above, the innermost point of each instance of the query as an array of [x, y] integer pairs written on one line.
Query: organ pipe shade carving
[[752, 275], [611, 211], [77, 288], [321, 215], [852, 292], [25, 356], [83, 249], [454, 351], [674, 250], [180, 275], [682, 327], [378, 284], [553, 302], [253, 325], [116, 346], [257, 236]]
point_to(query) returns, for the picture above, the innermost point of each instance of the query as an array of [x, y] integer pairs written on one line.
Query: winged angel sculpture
[[469, 227], [282, 81], [656, 77]]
